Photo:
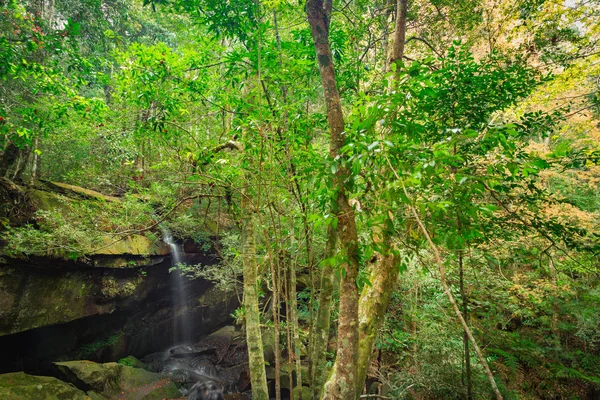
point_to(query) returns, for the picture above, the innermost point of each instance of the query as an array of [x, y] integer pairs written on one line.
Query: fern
[[509, 360], [561, 371]]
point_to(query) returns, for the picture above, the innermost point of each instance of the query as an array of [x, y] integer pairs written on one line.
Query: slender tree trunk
[[256, 357], [442, 271], [342, 382], [35, 161], [275, 303], [288, 327], [323, 318], [465, 306], [295, 347], [21, 164], [383, 274], [386, 35], [555, 309]]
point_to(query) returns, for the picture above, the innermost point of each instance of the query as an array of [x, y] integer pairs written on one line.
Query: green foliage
[[92, 348], [186, 108]]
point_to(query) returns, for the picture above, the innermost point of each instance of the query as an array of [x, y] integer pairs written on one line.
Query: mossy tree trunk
[[374, 301], [342, 382], [323, 318], [258, 376]]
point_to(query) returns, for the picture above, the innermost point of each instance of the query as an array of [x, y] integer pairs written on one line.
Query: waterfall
[[181, 328]]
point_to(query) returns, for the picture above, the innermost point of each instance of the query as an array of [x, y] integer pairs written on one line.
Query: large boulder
[[21, 386], [112, 380], [35, 297], [102, 378]]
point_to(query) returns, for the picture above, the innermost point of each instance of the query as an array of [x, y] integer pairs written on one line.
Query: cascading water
[[182, 331]]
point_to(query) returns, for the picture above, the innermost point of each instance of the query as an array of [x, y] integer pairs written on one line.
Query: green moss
[[31, 301], [116, 380], [21, 386], [131, 361], [103, 378], [91, 348]]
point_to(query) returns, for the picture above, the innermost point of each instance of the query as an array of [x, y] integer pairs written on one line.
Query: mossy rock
[[136, 245], [137, 384], [111, 380], [43, 200], [30, 301], [226, 333], [21, 386], [131, 361], [102, 378]]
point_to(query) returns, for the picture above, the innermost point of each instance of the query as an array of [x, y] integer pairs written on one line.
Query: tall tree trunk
[[275, 304], [342, 382], [35, 161], [386, 35], [323, 318], [383, 273], [555, 308], [371, 310], [465, 306], [294, 315], [258, 376], [21, 165], [399, 33]]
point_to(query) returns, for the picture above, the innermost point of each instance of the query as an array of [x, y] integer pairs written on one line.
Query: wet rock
[[237, 378], [21, 386], [155, 362], [192, 351]]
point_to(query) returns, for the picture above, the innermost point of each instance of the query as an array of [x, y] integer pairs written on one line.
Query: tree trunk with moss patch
[[258, 376], [323, 319], [374, 302], [342, 382]]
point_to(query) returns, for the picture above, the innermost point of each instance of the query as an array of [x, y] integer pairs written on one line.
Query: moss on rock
[[112, 380], [21, 386], [102, 378], [30, 301], [137, 245]]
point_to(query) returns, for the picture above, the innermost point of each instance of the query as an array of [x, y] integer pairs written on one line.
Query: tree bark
[[342, 382], [371, 310], [399, 33], [275, 304], [295, 347], [465, 305], [323, 318], [258, 376], [383, 273]]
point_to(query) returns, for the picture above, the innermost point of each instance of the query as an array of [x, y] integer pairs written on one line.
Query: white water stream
[[181, 329]]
